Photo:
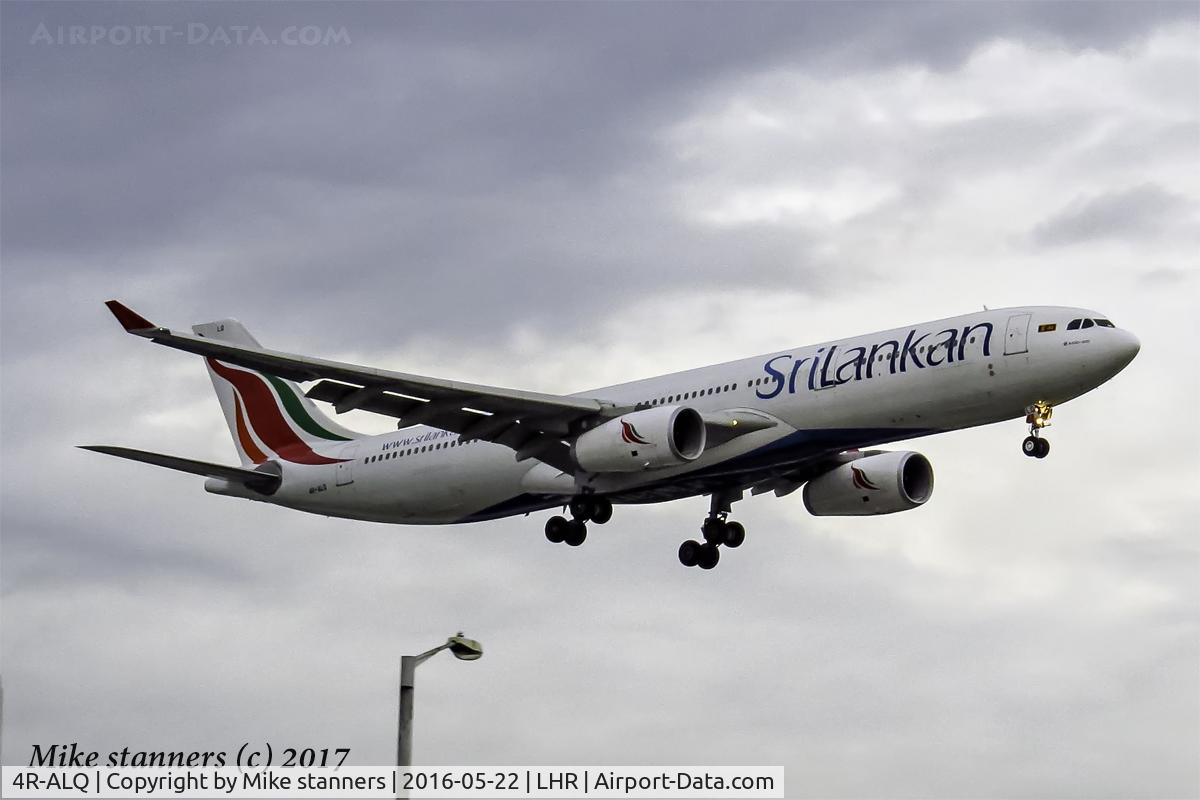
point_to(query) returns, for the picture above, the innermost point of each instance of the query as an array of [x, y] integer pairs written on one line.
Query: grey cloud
[[1126, 214], [1165, 276], [503, 125]]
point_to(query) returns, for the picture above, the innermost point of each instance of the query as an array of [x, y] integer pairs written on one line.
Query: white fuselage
[[826, 398]]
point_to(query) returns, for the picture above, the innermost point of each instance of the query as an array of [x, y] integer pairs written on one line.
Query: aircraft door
[[345, 469], [1017, 334]]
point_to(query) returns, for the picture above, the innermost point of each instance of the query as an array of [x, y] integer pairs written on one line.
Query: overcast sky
[[559, 196]]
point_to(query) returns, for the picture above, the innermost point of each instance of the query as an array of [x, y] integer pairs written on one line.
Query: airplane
[[802, 418]]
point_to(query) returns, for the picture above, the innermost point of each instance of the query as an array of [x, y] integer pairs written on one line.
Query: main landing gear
[[584, 508], [1038, 416], [717, 531]]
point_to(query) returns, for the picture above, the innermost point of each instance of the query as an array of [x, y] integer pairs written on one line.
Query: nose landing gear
[[1038, 416]]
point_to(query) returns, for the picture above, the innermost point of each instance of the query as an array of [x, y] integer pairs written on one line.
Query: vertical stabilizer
[[269, 417]]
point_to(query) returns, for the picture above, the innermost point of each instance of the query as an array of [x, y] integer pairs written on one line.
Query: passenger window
[[1087, 323], [1073, 325]]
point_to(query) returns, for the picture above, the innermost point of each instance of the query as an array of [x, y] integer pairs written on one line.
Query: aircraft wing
[[531, 423]]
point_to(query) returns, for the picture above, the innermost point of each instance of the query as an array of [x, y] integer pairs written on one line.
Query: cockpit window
[[1073, 325], [1087, 323], [1103, 323]]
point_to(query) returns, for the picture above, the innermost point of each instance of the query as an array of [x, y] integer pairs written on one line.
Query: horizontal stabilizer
[[265, 482]]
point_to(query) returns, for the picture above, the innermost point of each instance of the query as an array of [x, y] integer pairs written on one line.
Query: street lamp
[[463, 649]]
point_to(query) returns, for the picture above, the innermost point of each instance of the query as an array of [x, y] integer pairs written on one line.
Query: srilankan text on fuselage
[[833, 366]]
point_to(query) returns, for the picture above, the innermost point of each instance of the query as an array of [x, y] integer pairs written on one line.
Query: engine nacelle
[[648, 439], [877, 484]]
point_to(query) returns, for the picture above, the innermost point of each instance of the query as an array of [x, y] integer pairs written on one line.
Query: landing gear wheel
[[713, 530], [576, 533], [582, 507], [709, 556], [689, 553], [1038, 416], [556, 529], [735, 534], [1030, 446], [602, 512]]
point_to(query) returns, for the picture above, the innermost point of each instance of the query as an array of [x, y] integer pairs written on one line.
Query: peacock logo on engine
[[861, 481], [630, 435]]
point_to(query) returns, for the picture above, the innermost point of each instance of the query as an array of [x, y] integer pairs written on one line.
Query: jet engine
[[882, 483], [649, 439]]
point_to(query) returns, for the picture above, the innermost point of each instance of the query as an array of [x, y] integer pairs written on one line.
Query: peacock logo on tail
[[261, 426]]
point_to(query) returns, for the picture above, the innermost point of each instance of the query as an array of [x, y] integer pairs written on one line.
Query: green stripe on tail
[[299, 413]]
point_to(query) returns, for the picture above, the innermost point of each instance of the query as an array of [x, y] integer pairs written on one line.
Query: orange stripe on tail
[[255, 455]]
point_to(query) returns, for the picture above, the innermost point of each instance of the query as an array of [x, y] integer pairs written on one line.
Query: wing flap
[[266, 482]]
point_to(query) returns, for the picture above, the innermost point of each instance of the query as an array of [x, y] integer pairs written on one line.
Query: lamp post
[[463, 649]]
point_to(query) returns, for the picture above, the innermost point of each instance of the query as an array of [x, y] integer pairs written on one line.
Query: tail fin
[[269, 417]]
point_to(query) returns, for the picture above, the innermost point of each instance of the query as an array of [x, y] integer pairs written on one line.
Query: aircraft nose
[[1125, 348]]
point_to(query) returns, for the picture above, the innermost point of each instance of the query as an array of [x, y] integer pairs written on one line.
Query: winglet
[[130, 320]]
